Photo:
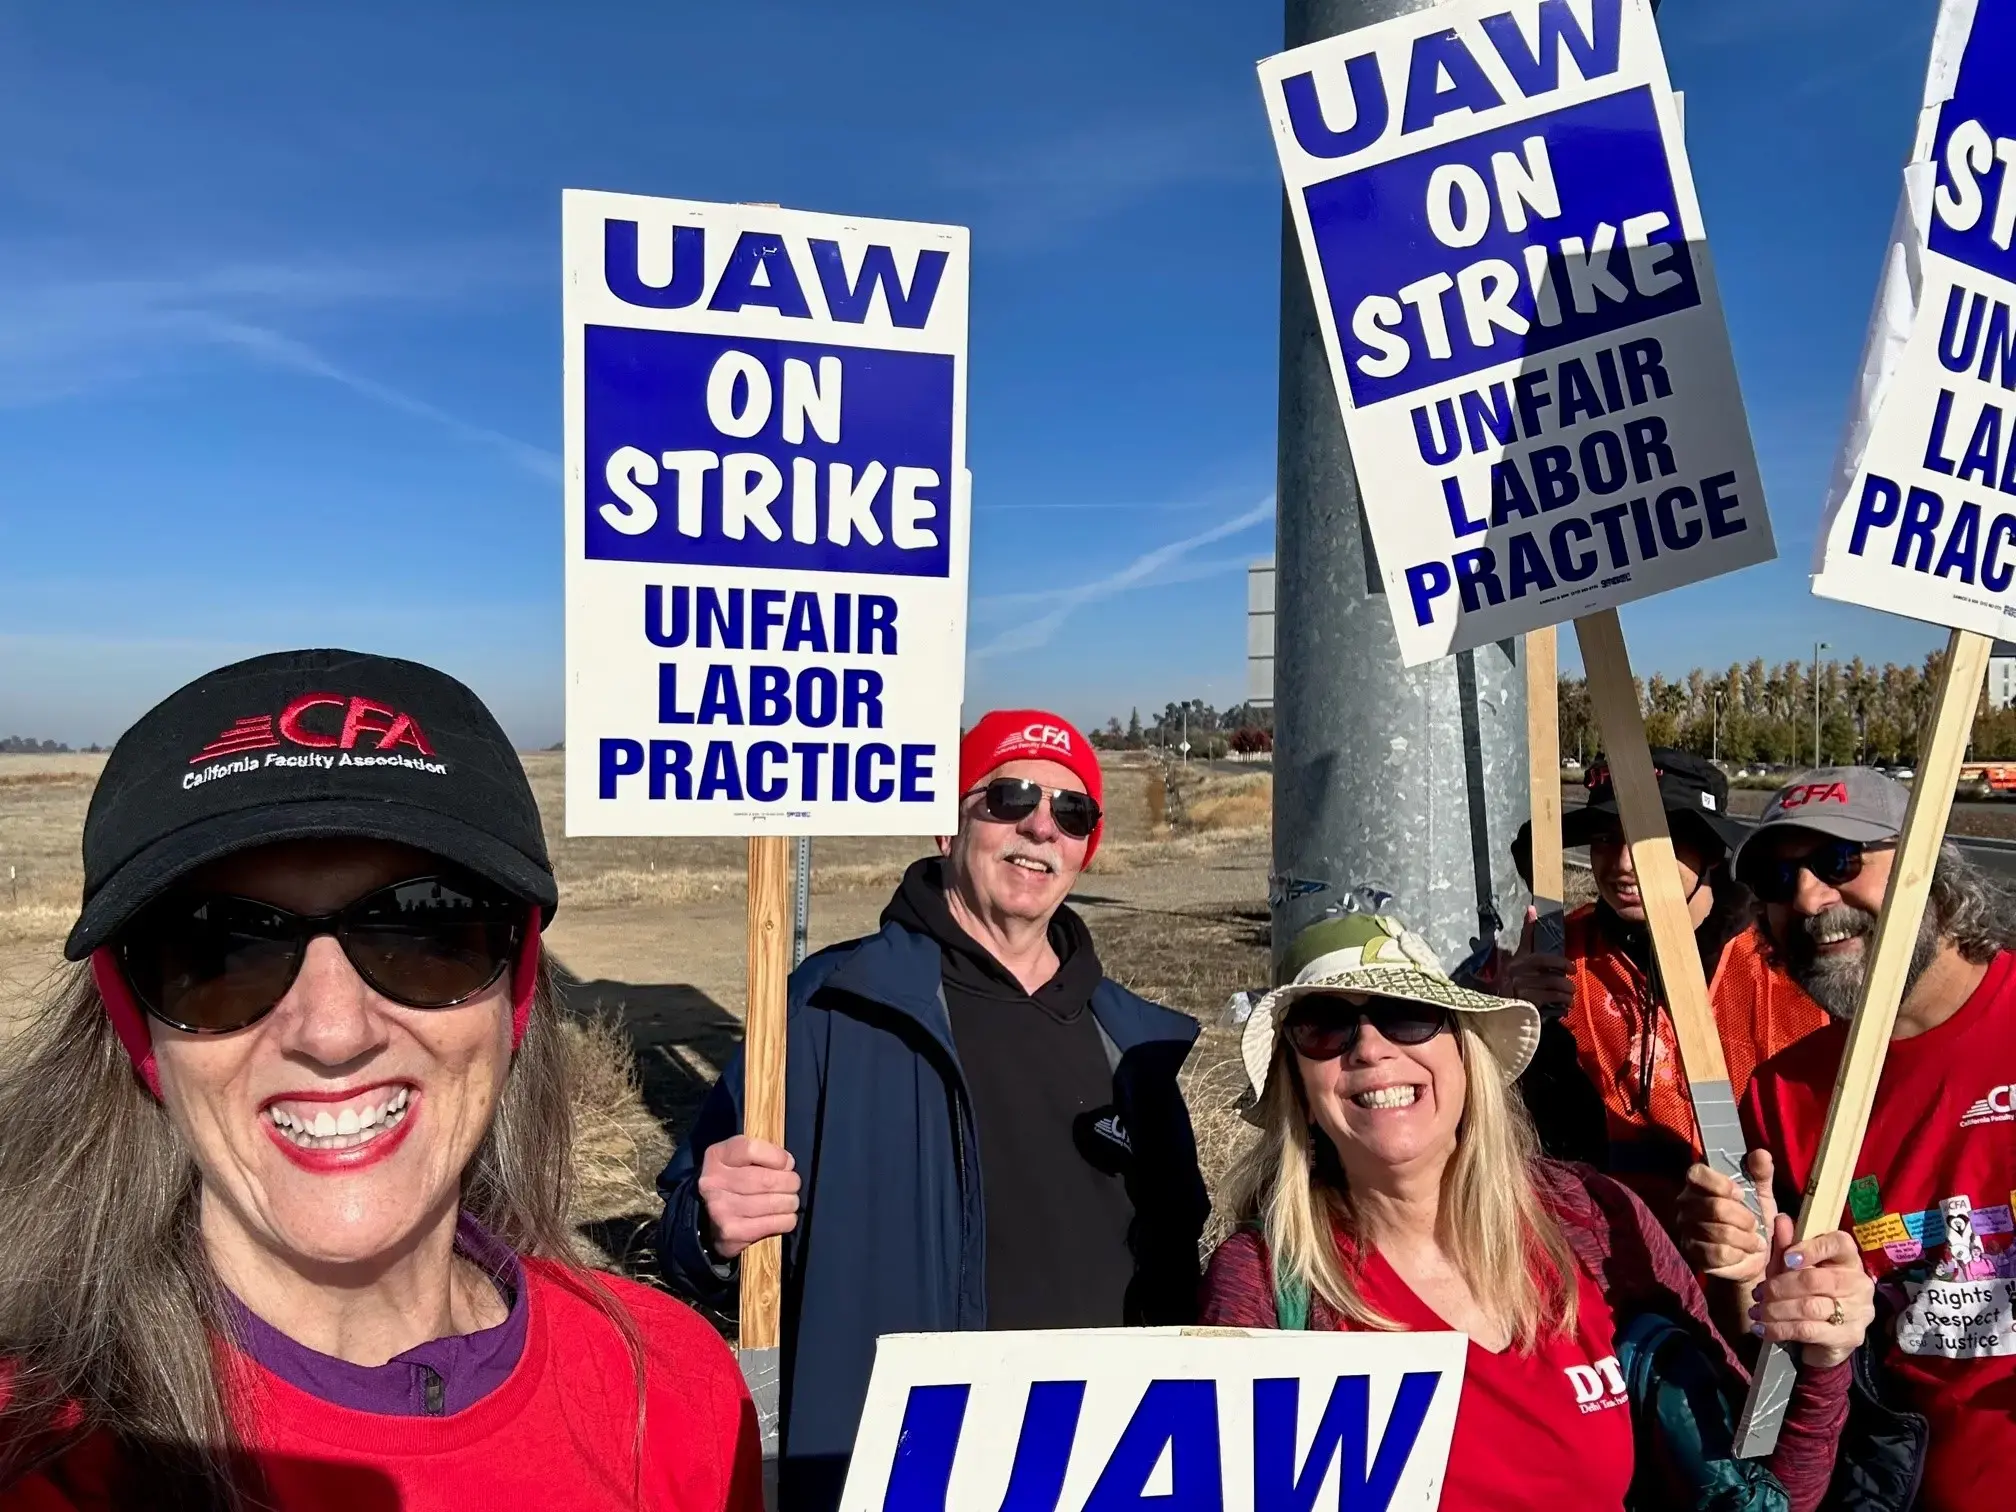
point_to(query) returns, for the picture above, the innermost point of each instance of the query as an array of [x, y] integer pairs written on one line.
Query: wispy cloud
[[285, 352], [1041, 192], [1166, 563], [66, 336]]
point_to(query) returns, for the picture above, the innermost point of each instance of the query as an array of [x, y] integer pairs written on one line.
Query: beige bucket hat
[[1376, 954]]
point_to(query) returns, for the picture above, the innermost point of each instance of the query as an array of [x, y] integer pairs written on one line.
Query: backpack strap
[[1291, 1294], [1291, 1303]]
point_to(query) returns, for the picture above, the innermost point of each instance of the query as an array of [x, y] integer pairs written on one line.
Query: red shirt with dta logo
[[1545, 1428], [1613, 1237], [1537, 1430], [1930, 1207]]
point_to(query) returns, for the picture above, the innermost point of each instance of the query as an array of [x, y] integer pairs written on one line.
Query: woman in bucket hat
[[1395, 1186], [287, 1153]]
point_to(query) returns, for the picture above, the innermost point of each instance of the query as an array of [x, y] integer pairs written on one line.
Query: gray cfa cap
[[1850, 803]]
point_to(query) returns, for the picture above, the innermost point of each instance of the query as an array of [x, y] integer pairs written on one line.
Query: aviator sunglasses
[[1324, 1028], [1775, 879], [212, 963], [1010, 800]]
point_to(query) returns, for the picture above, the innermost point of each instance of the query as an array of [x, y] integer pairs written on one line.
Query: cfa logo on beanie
[[1006, 735]]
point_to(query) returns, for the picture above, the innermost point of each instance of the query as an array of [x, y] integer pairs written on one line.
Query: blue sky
[[279, 314]]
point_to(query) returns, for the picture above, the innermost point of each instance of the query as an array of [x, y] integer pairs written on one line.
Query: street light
[[1715, 742], [1818, 647]]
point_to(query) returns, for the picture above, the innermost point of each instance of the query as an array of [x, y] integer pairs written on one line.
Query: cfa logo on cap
[[1051, 736], [365, 734], [1814, 792], [361, 717]]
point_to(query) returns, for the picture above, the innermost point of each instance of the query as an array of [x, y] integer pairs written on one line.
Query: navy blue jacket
[[891, 1232]]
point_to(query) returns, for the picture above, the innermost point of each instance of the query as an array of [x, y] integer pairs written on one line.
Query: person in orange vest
[[1608, 984]]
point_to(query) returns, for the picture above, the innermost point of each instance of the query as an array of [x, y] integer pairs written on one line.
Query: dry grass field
[[650, 936]]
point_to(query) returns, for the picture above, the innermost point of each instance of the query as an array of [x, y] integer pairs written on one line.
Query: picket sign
[[1499, 227], [766, 519], [1543, 782], [766, 523], [1507, 260], [1118, 1420], [1913, 523], [1920, 521], [1615, 697]]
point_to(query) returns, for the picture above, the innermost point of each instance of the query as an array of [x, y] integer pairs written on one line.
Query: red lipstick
[[356, 1157]]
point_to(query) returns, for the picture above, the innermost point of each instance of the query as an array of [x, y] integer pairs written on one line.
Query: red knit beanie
[[1008, 735]]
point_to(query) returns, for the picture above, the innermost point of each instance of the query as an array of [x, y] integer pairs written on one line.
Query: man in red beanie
[[982, 1131]]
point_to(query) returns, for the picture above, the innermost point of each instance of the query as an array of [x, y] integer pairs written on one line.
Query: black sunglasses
[[1323, 1028], [1013, 799], [1775, 879], [212, 963]]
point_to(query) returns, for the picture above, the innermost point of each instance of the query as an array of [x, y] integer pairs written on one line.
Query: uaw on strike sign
[[1508, 263], [1158, 1420], [1921, 519], [766, 519]]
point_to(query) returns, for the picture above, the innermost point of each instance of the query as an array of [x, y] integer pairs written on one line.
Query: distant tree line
[[22, 745], [1211, 732], [1757, 713]]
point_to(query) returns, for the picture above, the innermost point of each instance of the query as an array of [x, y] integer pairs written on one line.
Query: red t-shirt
[[560, 1434], [1546, 1431], [1930, 1207]]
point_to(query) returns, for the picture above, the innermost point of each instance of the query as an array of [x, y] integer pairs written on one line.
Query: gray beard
[[1835, 983]]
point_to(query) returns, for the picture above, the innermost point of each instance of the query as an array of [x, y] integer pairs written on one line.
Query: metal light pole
[[1410, 782], [1715, 740], [1818, 647]]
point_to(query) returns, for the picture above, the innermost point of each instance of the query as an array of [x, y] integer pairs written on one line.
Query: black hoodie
[[1053, 1155]]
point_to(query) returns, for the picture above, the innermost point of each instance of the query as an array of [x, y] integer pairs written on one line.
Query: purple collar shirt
[[435, 1379]]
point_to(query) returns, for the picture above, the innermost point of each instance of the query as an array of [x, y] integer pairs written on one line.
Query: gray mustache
[[1842, 920]]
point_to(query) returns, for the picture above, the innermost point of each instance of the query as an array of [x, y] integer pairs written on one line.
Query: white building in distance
[[1260, 635], [2001, 686]]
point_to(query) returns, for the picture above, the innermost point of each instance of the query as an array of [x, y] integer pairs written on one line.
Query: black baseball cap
[[1694, 793], [306, 745]]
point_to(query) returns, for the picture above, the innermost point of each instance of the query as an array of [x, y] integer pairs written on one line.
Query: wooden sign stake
[[1608, 667], [1543, 776], [1882, 993], [770, 878]]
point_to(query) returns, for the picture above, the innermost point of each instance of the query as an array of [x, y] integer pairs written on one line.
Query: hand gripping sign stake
[[1876, 1015], [763, 1112], [1638, 804], [1543, 767]]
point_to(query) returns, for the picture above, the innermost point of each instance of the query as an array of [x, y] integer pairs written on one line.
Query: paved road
[[1995, 856]]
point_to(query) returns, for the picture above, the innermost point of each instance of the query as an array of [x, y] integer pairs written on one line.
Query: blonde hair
[[1504, 1242]]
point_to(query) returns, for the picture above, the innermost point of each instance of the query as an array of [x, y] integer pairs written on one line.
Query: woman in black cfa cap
[[285, 1167]]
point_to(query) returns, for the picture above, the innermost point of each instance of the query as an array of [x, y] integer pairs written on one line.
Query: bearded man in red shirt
[[1932, 1423]]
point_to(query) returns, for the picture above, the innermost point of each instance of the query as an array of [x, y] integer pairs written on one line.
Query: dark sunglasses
[[212, 963], [1013, 799], [1775, 879], [1323, 1028]]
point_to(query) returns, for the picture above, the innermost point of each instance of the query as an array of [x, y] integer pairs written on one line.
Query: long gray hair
[[108, 1305], [1968, 907]]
